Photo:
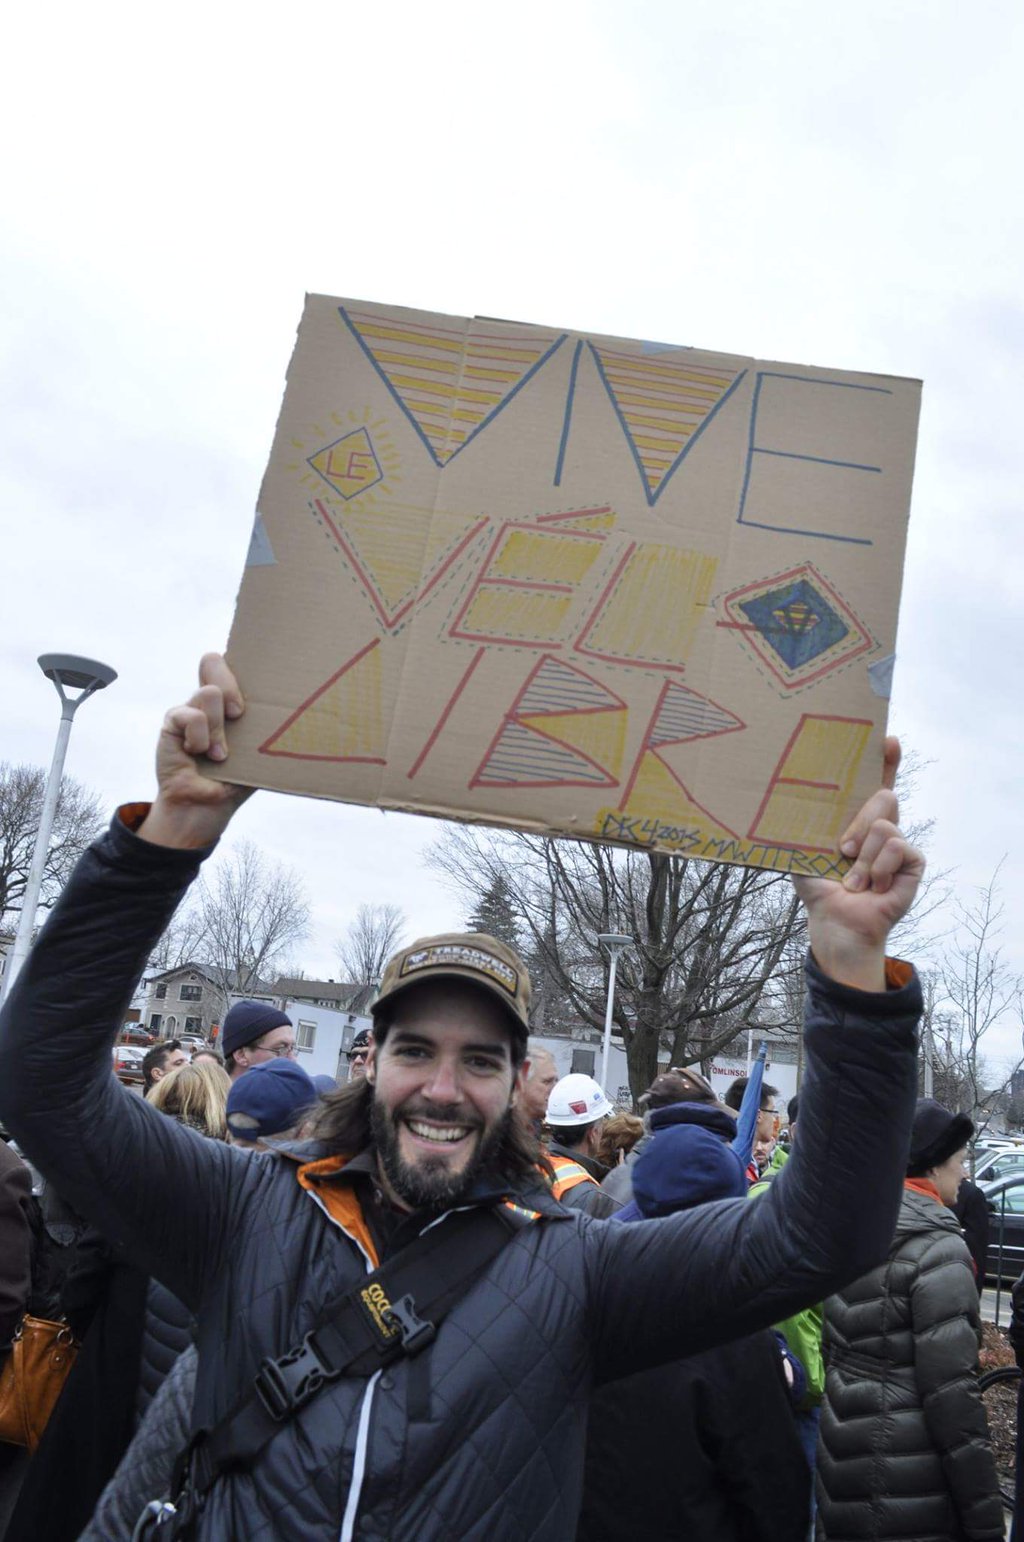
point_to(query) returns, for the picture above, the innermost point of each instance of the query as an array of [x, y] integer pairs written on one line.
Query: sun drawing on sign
[[345, 455]]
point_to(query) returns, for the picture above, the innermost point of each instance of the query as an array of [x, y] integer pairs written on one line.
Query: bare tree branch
[[241, 920], [78, 821], [707, 938], [369, 943], [972, 991]]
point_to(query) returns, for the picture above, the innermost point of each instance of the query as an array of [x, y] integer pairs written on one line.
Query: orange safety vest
[[568, 1175]]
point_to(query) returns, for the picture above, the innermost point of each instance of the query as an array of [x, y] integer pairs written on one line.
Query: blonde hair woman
[[195, 1095]]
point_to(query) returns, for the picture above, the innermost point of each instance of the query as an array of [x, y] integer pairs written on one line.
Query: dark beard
[[429, 1185]]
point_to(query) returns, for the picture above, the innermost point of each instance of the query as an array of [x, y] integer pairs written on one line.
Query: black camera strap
[[392, 1313]]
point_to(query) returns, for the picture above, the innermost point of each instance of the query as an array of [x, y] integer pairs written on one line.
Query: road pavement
[[995, 1309]]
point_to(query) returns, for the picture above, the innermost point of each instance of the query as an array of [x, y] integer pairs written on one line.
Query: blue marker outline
[[362, 429], [818, 460], [484, 422], [564, 441], [652, 498]]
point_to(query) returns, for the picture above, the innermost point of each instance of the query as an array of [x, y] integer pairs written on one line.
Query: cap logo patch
[[457, 954], [578, 1107]]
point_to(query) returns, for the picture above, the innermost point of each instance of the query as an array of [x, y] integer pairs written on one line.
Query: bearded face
[[430, 1180], [443, 1088]]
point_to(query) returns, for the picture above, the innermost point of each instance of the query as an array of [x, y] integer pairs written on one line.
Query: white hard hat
[[577, 1099]]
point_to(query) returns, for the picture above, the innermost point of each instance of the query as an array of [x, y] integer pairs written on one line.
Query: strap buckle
[[285, 1384], [414, 1332]]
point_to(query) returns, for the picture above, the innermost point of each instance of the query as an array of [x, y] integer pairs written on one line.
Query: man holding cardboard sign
[[399, 1326], [584, 585]]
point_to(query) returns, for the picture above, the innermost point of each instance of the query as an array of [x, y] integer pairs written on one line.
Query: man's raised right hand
[[192, 810]]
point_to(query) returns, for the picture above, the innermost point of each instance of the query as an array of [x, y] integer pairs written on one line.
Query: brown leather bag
[[42, 1354]]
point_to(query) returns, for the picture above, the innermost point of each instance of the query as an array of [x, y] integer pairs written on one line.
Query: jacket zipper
[[355, 1491], [355, 1488]]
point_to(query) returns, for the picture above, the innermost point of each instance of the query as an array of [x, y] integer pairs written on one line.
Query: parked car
[[128, 1064], [137, 1033], [192, 1042], [998, 1162], [1005, 1196]]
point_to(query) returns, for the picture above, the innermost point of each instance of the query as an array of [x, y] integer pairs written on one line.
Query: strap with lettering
[[394, 1312]]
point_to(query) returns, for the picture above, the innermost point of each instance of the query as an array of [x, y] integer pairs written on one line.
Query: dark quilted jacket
[[145, 1469], [721, 1462], [903, 1419], [166, 1332], [481, 1435]]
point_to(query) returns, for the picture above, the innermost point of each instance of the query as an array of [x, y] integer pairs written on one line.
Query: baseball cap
[[679, 1084], [473, 956], [269, 1099]]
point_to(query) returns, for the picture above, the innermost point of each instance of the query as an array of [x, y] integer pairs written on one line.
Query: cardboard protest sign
[[576, 584]]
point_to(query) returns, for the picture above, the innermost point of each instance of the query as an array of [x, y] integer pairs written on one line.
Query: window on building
[[305, 1035], [155, 1021], [193, 1025], [583, 1061], [161, 992], [190, 993]]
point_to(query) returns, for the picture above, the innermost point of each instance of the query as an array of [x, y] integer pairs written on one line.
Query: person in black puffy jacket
[[132, 1330], [705, 1448], [480, 1434], [1016, 1337], [904, 1449], [16, 1248]]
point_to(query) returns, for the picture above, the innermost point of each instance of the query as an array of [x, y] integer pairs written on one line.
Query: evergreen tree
[[495, 913]]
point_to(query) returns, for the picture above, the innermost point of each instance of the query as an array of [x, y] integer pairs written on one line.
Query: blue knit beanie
[[684, 1166]]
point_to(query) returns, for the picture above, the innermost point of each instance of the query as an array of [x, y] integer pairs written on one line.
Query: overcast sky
[[831, 184]]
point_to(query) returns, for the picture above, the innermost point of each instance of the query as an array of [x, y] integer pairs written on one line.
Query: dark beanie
[[248, 1020], [684, 1166], [935, 1136], [719, 1120]]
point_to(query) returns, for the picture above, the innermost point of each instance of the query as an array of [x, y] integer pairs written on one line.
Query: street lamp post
[[613, 944], [85, 676], [928, 1046]]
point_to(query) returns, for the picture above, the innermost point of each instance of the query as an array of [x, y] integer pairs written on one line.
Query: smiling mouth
[[438, 1134]]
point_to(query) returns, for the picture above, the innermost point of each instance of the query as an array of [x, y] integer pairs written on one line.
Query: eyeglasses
[[282, 1051]]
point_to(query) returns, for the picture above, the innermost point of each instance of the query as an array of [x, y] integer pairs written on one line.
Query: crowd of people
[[460, 1295]]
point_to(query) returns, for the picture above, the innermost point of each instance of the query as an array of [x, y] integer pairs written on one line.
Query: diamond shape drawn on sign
[[349, 465], [797, 625], [796, 621]]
